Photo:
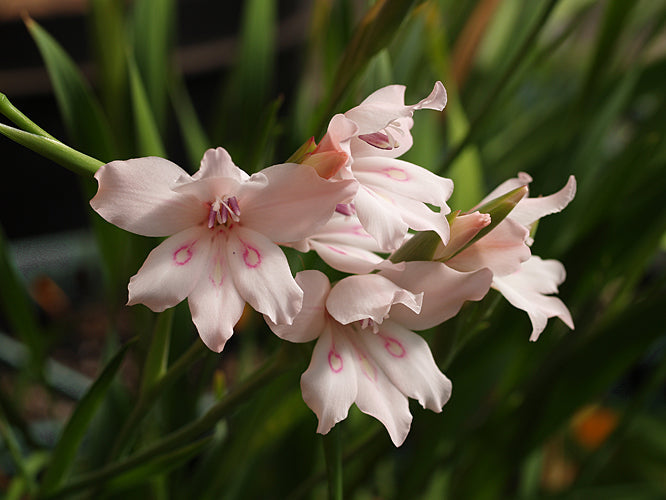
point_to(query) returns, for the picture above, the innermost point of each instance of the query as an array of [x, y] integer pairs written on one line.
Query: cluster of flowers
[[350, 200]]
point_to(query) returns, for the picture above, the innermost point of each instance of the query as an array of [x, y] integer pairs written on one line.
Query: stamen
[[377, 139], [222, 210], [366, 322], [382, 139]]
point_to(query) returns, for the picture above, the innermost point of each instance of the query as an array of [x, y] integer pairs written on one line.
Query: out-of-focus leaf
[[160, 464], [107, 21], [616, 17], [65, 451], [147, 134], [466, 171], [245, 95], [158, 353], [153, 37], [17, 309], [194, 136], [81, 112], [374, 32]]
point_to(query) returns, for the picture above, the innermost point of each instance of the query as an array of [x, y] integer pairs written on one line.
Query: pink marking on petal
[[334, 361], [394, 348], [251, 257], [396, 173], [183, 255], [337, 250], [359, 231]]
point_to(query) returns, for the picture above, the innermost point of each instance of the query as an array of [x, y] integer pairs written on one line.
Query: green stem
[[333, 454], [54, 150], [185, 435], [19, 119]]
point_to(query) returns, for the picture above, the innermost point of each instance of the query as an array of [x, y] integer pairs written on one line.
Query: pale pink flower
[[223, 227], [529, 289], [524, 280], [366, 352], [392, 193]]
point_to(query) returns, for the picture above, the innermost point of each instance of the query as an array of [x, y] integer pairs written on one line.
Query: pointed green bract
[[498, 209]]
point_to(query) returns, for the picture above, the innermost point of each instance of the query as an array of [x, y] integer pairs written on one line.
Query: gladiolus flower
[[223, 227], [366, 352]]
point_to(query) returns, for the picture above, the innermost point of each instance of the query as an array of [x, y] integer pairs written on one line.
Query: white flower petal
[[136, 195], [366, 296], [292, 203], [420, 218], [311, 320], [444, 292], [214, 302], [407, 361], [403, 178], [380, 218], [527, 289], [329, 384], [530, 210], [378, 397], [348, 258], [171, 270], [262, 276], [218, 163]]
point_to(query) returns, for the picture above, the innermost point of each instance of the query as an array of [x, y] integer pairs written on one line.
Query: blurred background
[[548, 87]]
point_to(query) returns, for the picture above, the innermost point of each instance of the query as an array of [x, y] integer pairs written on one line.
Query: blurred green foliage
[[548, 87]]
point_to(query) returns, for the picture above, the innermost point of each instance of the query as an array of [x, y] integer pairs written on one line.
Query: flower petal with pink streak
[[366, 296], [502, 250], [403, 178], [406, 360], [378, 396], [329, 385], [293, 202], [311, 320], [444, 290], [527, 289], [530, 210], [171, 270], [214, 302], [136, 195], [262, 275]]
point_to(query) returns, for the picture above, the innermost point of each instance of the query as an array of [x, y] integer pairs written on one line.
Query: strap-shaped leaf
[[81, 112], [70, 440]]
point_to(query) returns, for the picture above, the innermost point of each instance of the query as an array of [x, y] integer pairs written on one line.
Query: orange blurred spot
[[592, 425]]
